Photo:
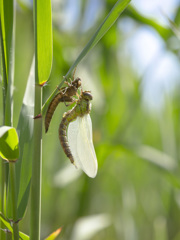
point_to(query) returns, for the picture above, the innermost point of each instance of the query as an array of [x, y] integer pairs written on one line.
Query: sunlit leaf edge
[[9, 147]]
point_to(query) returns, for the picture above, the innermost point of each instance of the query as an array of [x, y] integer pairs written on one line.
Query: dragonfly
[[65, 94], [77, 141]]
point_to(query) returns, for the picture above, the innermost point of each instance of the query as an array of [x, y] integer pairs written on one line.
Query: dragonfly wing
[[81, 145], [72, 135], [85, 148]]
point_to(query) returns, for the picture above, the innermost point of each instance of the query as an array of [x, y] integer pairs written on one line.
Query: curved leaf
[[25, 131], [9, 143]]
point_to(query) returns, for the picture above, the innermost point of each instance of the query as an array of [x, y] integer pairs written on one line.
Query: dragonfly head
[[87, 95], [76, 83]]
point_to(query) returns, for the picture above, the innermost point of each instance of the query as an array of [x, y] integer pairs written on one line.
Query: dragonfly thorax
[[83, 105]]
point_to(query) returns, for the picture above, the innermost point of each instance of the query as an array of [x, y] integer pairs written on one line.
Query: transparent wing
[[81, 145], [72, 134]]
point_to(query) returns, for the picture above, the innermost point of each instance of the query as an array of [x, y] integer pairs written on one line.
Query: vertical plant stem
[[7, 22], [36, 170], [4, 89], [3, 167], [2, 235], [14, 199], [37, 149]]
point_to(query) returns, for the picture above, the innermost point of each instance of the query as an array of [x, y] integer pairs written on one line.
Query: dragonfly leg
[[74, 100], [69, 84], [60, 89], [64, 90]]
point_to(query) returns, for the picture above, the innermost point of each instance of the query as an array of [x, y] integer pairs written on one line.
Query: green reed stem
[[14, 199], [36, 170], [37, 149]]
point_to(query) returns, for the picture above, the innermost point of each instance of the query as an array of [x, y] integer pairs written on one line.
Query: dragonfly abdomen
[[81, 108], [67, 118], [52, 107]]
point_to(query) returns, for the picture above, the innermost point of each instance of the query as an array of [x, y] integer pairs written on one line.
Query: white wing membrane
[[72, 134], [81, 145]]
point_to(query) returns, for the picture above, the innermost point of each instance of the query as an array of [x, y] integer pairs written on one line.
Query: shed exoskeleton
[[65, 94]]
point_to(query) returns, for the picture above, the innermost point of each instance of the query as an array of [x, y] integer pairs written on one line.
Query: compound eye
[[87, 95]]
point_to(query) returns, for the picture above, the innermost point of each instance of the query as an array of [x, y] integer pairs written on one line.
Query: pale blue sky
[[158, 67]]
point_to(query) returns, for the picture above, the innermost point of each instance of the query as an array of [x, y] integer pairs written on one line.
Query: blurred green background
[[134, 75]]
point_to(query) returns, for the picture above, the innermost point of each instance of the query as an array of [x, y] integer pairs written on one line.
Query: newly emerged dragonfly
[[65, 94], [78, 146]]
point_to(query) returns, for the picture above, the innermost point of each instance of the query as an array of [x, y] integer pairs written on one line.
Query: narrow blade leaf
[[25, 131], [7, 38], [6, 15], [44, 39], [101, 31]]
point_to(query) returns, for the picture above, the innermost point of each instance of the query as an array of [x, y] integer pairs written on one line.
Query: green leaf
[[6, 222], [3, 56], [43, 39], [101, 31], [25, 130], [6, 14], [54, 235], [23, 236], [24, 163], [9, 143], [8, 225], [7, 43]]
